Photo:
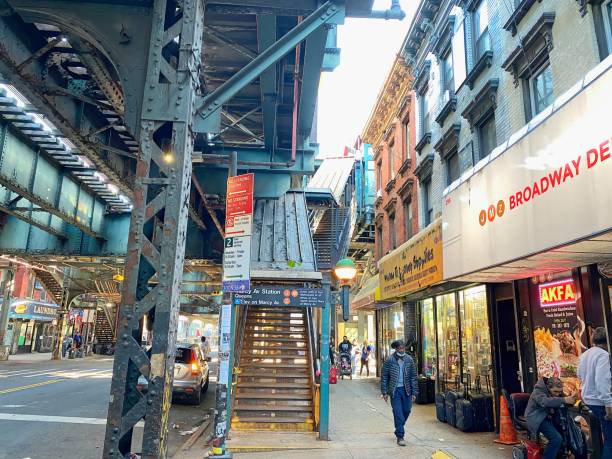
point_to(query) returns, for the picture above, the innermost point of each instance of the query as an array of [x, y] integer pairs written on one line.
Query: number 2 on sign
[[229, 242]]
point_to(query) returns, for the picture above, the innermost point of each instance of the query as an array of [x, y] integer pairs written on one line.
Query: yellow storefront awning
[[414, 265], [367, 296]]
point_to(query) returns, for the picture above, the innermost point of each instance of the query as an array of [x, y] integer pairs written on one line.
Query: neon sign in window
[[557, 293]]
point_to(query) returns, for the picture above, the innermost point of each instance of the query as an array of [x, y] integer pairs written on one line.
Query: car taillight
[[195, 369]]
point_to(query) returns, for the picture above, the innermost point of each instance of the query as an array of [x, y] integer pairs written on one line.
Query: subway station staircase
[[274, 388]]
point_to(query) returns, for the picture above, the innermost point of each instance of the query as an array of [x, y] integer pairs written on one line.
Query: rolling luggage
[[440, 406], [427, 390], [482, 403], [465, 410], [440, 400], [450, 406]]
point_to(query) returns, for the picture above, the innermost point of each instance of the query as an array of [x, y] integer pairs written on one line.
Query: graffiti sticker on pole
[[238, 228]]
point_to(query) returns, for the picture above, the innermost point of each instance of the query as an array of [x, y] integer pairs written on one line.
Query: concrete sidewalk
[[46, 356], [361, 427]]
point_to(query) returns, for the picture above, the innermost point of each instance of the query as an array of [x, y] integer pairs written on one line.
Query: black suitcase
[[482, 403], [441, 407], [465, 410], [450, 406], [427, 390], [440, 400]]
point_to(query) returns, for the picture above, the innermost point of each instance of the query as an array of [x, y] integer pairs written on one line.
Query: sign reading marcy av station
[[416, 264]]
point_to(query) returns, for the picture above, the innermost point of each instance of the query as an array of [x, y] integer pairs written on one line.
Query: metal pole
[[61, 316], [224, 388], [325, 319], [7, 275]]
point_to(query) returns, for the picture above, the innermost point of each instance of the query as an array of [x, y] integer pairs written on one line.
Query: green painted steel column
[[325, 320], [230, 375]]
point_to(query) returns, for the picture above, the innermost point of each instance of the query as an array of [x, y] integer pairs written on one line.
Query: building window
[[391, 161], [392, 236], [379, 176], [379, 241], [541, 90], [424, 114], [446, 66], [487, 136], [406, 150], [482, 41], [408, 218], [453, 169], [427, 202]]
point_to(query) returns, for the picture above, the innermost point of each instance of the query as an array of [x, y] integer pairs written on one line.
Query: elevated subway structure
[[117, 120]]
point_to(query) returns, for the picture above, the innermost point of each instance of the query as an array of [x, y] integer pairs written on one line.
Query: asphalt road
[[53, 410]]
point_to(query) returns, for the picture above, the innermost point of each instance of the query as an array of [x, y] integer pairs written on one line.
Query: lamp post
[[345, 271]]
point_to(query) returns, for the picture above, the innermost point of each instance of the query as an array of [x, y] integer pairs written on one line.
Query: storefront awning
[[25, 309], [540, 202], [367, 296]]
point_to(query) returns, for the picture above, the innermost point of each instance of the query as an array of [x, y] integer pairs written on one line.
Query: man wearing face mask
[[399, 382]]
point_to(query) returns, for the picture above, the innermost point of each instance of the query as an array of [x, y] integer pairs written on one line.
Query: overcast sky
[[347, 95]]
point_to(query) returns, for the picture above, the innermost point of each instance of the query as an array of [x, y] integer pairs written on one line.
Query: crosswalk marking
[[69, 373], [7, 374]]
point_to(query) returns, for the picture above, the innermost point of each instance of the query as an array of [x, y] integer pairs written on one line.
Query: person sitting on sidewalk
[[399, 382], [546, 396], [594, 373]]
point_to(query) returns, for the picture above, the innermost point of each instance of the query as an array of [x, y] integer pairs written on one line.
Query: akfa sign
[[558, 293]]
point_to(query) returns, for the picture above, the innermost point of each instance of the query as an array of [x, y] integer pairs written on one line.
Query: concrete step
[[279, 347], [297, 366], [270, 408], [272, 385], [269, 355], [265, 337], [286, 424], [272, 396]]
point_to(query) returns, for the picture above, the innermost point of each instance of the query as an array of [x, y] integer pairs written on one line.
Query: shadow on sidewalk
[[361, 427]]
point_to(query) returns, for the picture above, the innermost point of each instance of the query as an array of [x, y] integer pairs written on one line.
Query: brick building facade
[[391, 132], [483, 69]]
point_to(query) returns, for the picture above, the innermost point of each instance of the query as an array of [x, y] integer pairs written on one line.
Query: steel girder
[[266, 36], [157, 233], [29, 81], [329, 13]]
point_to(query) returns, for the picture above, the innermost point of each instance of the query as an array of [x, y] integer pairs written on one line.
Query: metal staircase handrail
[[111, 322], [312, 342]]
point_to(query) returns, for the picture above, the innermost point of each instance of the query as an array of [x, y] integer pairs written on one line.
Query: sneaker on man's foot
[[401, 442]]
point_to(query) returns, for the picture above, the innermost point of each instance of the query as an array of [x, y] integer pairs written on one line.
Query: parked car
[[191, 375]]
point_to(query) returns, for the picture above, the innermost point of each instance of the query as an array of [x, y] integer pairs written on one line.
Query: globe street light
[[345, 271]]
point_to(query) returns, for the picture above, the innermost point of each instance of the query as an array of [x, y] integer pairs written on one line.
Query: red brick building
[[391, 130]]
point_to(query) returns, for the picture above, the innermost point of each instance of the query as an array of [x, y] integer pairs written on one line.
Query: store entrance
[[508, 347]]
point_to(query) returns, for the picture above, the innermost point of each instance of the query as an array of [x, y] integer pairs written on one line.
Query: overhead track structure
[[137, 86]]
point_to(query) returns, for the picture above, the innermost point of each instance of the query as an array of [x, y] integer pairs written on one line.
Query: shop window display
[[475, 336], [428, 338], [448, 337], [393, 326]]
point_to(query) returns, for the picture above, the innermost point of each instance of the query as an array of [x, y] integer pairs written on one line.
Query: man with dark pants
[[594, 373], [399, 382]]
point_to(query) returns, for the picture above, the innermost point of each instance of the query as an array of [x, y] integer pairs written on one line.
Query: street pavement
[[57, 409], [361, 427]]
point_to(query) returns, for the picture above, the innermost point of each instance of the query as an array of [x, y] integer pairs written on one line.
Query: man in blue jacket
[[399, 382]]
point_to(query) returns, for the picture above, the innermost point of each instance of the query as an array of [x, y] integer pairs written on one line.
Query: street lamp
[[345, 271]]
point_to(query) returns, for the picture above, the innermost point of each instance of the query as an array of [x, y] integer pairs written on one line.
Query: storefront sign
[[544, 191], [238, 227], [32, 310], [414, 265], [282, 296], [559, 331], [557, 293]]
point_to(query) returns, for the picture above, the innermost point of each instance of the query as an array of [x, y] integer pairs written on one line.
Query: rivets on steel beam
[[113, 438], [116, 430]]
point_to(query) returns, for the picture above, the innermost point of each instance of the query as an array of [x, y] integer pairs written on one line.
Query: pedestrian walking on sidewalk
[[205, 348], [365, 356], [594, 373], [399, 383]]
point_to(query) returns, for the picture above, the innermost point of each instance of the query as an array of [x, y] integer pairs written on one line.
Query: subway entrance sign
[[238, 229], [282, 296]]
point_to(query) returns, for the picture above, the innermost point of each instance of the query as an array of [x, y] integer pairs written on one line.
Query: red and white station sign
[[239, 206]]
